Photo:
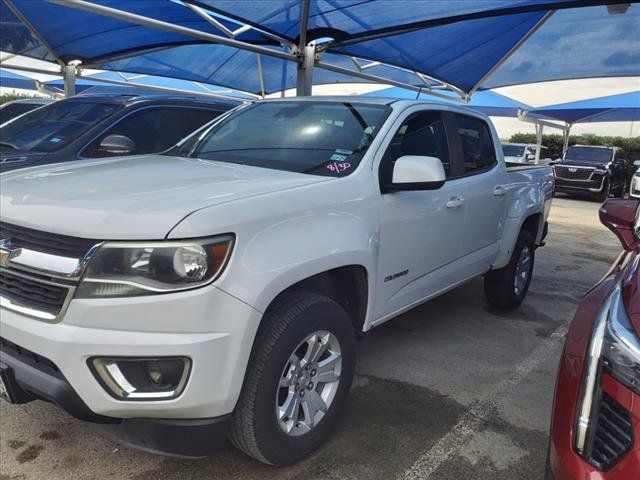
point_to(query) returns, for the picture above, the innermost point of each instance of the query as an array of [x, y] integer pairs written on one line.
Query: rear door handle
[[499, 191], [455, 202]]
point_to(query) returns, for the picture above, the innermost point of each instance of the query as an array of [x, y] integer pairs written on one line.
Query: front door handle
[[499, 191], [455, 202]]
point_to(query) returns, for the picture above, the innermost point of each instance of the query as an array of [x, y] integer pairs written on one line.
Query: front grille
[[27, 356], [54, 244], [579, 174], [31, 293], [613, 435]]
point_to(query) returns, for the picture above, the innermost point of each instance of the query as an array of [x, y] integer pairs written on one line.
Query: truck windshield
[[53, 126], [513, 150], [319, 138], [589, 154]]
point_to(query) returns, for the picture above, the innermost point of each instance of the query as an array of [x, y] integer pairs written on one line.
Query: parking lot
[[453, 389]]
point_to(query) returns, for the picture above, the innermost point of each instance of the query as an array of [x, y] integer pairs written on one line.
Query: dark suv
[[95, 126], [595, 171]]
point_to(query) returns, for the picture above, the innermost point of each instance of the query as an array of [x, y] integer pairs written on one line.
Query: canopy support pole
[[69, 77], [305, 71], [565, 135], [539, 130], [306, 55]]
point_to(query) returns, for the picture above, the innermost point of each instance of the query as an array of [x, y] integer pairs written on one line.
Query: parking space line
[[480, 410]]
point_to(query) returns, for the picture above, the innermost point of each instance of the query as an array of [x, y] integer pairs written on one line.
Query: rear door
[[482, 179]]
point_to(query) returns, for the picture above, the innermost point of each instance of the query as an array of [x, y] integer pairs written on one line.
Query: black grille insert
[[29, 357], [613, 435], [578, 174], [31, 293], [62, 245]]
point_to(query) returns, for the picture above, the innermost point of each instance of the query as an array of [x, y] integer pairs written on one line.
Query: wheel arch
[[532, 222]]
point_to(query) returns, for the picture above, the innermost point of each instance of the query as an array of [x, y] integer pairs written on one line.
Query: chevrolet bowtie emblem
[[7, 253]]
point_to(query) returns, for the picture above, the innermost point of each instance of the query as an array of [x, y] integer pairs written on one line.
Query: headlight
[[614, 349], [621, 348], [141, 268]]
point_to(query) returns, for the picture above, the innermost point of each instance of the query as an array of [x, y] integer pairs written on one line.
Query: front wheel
[[297, 381], [606, 191], [507, 286]]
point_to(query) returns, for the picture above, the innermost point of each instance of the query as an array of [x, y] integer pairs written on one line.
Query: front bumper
[[212, 328], [35, 378]]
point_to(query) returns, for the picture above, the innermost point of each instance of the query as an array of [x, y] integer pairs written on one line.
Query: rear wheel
[[297, 381], [507, 286]]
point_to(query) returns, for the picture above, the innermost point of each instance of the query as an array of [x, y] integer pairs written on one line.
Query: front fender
[[282, 239], [285, 253]]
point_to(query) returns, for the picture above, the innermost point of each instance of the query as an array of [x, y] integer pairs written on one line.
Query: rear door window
[[154, 130], [478, 151]]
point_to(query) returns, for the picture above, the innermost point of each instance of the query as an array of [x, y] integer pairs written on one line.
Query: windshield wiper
[[7, 144]]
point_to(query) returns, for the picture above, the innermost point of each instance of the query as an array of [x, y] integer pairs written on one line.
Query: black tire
[[255, 429], [499, 285], [606, 191]]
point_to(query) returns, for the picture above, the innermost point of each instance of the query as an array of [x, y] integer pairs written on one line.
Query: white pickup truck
[[217, 290]]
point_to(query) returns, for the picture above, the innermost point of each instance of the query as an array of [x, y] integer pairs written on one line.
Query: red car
[[595, 430]]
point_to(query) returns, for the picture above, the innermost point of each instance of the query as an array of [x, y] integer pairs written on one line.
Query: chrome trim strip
[[592, 371], [109, 372], [34, 261]]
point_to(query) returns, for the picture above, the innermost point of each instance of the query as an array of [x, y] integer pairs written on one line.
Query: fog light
[[126, 378]]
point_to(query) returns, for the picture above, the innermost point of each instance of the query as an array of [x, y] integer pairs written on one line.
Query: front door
[[421, 231]]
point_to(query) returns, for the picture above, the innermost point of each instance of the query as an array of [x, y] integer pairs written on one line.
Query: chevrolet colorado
[[217, 290]]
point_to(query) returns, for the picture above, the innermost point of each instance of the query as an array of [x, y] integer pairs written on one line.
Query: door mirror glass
[[416, 172], [117, 145]]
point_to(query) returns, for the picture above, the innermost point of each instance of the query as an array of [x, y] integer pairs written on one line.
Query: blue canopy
[[92, 82], [468, 45], [614, 108], [13, 80], [485, 101]]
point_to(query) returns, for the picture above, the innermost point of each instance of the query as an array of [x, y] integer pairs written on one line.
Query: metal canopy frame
[[308, 55], [539, 126], [208, 93]]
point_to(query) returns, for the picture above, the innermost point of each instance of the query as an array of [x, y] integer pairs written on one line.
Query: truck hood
[[141, 197]]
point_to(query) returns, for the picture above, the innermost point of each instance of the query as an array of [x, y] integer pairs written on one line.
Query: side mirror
[[415, 172], [117, 145], [530, 156], [620, 216], [636, 163]]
